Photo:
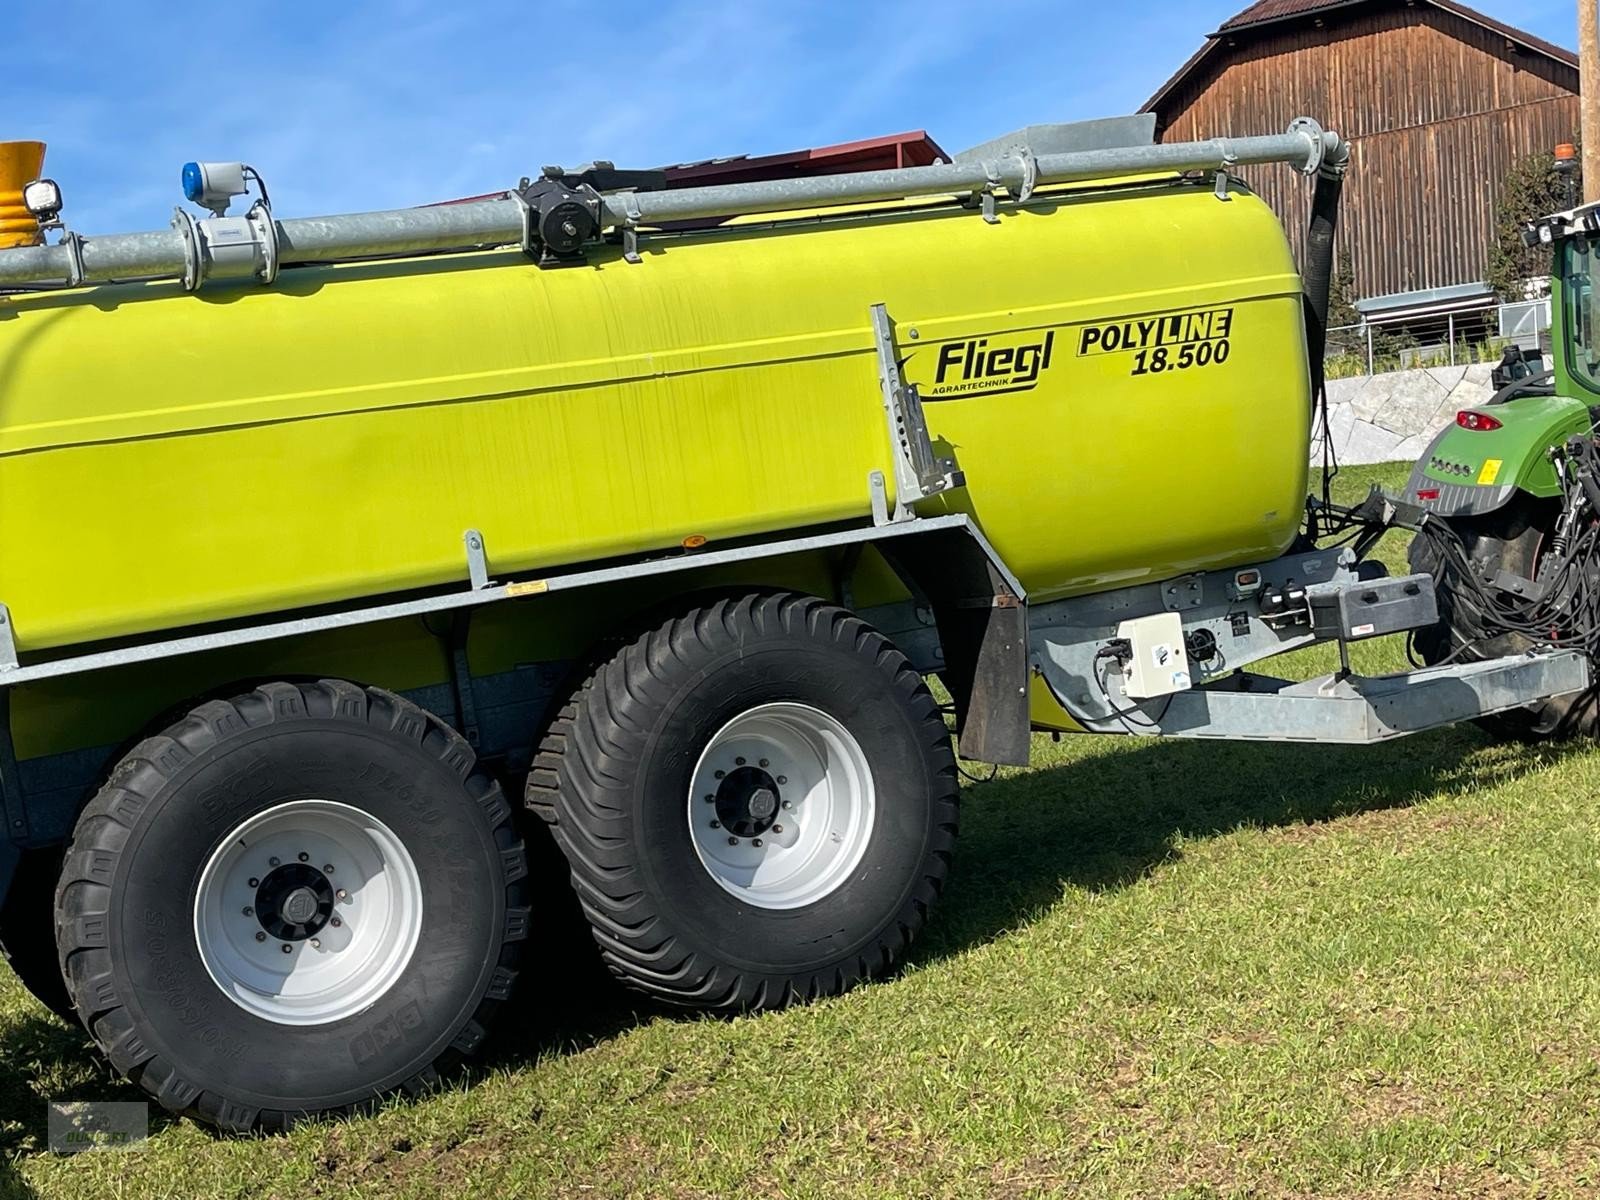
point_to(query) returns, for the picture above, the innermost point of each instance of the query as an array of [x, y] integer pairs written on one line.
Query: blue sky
[[380, 103]]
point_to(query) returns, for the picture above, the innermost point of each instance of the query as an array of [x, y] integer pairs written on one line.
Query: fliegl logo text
[[1164, 342], [989, 366]]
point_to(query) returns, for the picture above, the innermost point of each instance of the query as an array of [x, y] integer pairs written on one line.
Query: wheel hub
[[294, 902], [781, 805], [747, 801], [308, 911]]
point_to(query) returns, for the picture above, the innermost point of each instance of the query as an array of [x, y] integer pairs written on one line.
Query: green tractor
[[1515, 481]]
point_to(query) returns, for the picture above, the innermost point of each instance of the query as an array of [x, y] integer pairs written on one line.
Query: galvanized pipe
[[1304, 148], [461, 227]]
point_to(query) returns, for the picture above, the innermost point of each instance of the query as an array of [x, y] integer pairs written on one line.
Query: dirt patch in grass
[[1377, 1100], [1413, 822], [400, 1161]]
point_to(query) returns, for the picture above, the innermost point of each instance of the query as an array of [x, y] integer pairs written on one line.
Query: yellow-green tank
[[1119, 370]]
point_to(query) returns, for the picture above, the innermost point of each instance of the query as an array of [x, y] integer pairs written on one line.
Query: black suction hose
[[1317, 277], [1318, 272]]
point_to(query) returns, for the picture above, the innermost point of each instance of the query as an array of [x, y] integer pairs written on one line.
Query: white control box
[[1159, 664]]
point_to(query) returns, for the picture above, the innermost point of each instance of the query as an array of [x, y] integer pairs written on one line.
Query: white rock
[[1374, 395], [1341, 420], [1447, 377], [1343, 391], [1370, 444], [1415, 398]]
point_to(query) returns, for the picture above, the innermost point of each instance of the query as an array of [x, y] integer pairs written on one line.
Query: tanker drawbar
[[321, 539]]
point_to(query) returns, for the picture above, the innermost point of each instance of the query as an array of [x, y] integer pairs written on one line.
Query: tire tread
[[575, 791], [82, 897]]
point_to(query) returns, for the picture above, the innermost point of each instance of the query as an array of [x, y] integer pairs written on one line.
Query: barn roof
[[1272, 12]]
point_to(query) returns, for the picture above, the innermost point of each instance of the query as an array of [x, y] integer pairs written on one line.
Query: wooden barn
[[1438, 101]]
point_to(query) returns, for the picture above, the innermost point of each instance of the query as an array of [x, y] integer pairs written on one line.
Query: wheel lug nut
[[248, 911], [763, 762], [755, 842], [733, 841], [336, 922], [783, 779], [261, 935], [316, 943], [711, 799], [288, 949], [272, 862], [786, 804], [777, 829], [342, 894], [304, 857], [738, 762], [716, 824], [255, 883], [720, 774], [328, 869]]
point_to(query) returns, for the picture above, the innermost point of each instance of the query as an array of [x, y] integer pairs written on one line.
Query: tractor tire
[[1509, 539], [27, 934], [758, 802], [291, 904]]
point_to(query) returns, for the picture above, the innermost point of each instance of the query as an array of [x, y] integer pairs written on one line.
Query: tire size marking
[[1181, 358], [192, 1011], [389, 1031]]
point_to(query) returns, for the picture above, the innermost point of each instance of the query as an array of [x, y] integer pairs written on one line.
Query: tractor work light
[[1476, 421], [42, 198]]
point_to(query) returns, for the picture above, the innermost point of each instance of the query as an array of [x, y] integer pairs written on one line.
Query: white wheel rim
[[361, 919], [822, 802]]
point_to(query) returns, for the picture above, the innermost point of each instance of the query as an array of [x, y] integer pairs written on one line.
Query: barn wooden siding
[[1437, 110]]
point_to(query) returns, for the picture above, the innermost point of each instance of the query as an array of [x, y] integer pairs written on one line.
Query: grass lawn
[[1159, 969]]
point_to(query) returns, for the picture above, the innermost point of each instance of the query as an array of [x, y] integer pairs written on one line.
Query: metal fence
[[1453, 339]]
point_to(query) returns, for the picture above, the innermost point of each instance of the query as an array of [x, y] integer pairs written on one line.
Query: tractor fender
[[1469, 472]]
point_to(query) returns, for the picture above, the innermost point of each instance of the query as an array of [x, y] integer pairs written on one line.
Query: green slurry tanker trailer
[[332, 548]]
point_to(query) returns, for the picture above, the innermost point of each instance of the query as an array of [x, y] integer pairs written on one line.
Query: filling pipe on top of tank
[[173, 254]]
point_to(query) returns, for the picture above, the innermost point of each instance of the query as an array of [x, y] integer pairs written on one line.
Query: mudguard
[[1469, 472]]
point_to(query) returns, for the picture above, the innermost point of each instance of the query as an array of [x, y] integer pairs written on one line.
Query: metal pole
[[1452, 339], [1304, 149], [1589, 104], [1371, 369], [482, 223]]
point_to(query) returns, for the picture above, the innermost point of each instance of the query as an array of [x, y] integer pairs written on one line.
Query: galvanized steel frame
[[481, 591]]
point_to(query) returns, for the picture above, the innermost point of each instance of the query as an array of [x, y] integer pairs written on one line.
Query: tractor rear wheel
[[1510, 540], [758, 802]]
